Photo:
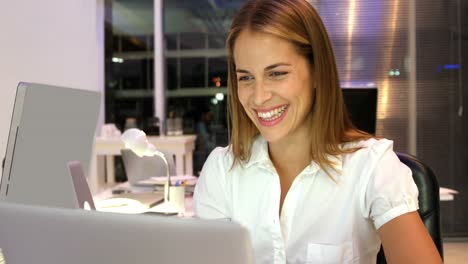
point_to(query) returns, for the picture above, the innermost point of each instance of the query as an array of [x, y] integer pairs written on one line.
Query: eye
[[245, 78], [278, 74]]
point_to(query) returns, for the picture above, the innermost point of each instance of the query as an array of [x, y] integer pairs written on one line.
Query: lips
[[273, 116]]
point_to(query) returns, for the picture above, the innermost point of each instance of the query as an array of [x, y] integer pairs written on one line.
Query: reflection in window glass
[[125, 43], [134, 74], [171, 41], [216, 41], [192, 40], [172, 79], [217, 72], [129, 80], [192, 73], [204, 116], [196, 33]]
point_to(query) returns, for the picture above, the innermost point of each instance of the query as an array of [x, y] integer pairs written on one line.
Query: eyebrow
[[267, 68]]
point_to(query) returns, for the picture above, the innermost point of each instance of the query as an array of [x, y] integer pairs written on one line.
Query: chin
[[271, 136]]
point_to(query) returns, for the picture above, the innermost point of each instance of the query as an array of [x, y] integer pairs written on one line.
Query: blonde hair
[[298, 22]]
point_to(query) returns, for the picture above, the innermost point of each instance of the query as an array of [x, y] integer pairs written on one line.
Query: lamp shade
[[135, 140]]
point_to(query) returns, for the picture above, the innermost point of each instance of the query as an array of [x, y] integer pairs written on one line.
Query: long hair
[[297, 22]]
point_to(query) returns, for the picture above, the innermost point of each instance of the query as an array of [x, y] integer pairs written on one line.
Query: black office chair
[[428, 200]]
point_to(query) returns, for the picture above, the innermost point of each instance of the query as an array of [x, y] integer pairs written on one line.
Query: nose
[[261, 94]]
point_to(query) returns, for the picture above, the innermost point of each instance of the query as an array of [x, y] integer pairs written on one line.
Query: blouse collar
[[259, 156]]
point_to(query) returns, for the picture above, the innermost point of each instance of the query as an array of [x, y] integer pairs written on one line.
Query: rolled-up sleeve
[[211, 193], [391, 190]]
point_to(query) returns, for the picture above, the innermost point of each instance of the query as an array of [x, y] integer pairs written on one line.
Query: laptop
[[83, 194], [32, 234], [50, 127], [138, 169], [144, 199]]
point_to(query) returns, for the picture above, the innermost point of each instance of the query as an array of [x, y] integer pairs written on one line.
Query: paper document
[[447, 194], [121, 205]]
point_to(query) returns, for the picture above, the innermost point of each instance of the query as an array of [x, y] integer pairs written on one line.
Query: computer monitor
[[32, 234], [50, 127], [361, 104]]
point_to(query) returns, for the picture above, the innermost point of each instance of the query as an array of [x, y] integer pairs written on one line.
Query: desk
[[181, 146], [107, 193]]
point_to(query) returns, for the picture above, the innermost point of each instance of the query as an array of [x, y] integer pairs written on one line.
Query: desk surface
[[107, 193]]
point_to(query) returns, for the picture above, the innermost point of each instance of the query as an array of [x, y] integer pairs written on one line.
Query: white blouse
[[321, 221]]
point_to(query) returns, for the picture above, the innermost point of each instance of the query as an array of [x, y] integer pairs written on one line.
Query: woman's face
[[274, 84]]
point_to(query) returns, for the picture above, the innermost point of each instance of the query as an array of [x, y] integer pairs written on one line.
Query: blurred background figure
[[206, 141]]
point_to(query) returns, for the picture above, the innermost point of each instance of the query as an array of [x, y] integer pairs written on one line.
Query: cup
[[130, 122], [110, 131], [178, 126], [177, 197], [170, 126]]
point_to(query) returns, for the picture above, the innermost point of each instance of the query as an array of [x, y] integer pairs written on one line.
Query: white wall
[[48, 41]]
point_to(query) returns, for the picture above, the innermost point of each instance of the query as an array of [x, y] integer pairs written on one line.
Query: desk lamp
[[135, 140]]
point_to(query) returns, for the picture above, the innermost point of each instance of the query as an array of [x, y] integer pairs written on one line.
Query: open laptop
[[50, 127], [31, 234], [139, 169], [83, 194]]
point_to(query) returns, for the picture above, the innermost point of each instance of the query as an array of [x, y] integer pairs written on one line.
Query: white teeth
[[273, 114]]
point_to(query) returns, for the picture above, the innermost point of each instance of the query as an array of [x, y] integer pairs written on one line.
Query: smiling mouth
[[272, 115]]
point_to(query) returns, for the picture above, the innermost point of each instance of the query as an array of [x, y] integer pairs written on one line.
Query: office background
[[414, 52]]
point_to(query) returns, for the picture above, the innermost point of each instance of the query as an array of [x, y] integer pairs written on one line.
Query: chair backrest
[[428, 200], [141, 168]]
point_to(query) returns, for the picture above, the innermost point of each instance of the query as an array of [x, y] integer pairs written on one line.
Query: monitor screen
[[361, 104], [50, 127]]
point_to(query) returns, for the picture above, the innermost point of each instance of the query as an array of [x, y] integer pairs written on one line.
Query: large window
[[129, 62], [195, 67]]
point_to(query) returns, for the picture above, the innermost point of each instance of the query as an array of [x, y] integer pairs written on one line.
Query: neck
[[291, 154]]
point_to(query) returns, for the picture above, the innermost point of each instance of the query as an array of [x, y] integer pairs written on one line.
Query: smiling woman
[[285, 44], [309, 186]]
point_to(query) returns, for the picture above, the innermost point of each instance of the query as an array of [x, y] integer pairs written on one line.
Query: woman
[[309, 186]]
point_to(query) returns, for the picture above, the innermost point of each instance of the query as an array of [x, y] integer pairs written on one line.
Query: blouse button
[[409, 201]]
